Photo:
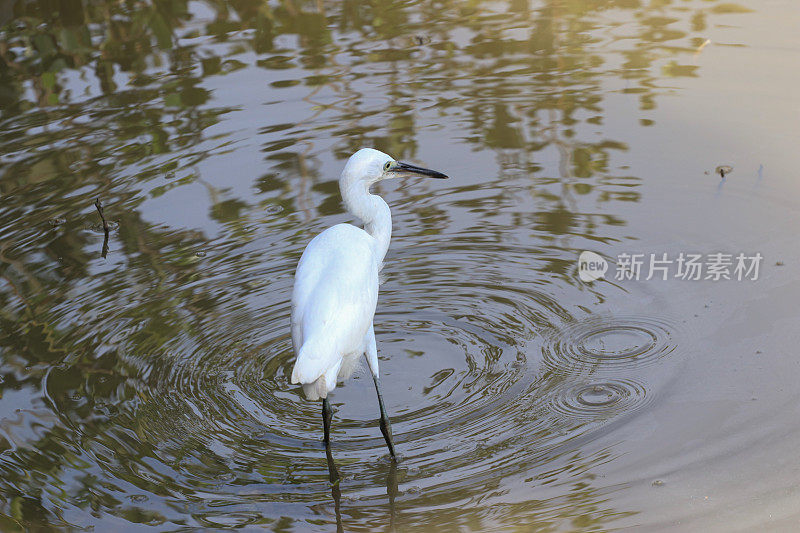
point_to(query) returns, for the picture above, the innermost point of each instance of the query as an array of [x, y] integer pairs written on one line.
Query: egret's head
[[371, 165]]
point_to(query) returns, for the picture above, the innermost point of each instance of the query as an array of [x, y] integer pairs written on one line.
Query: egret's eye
[[387, 166]]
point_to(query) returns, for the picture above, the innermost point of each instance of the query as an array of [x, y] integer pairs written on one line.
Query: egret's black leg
[[327, 415], [386, 427]]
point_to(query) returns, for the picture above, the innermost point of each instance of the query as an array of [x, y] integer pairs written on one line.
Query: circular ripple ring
[[619, 342]]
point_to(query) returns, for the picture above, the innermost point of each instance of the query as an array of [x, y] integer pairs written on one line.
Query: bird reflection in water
[[336, 490]]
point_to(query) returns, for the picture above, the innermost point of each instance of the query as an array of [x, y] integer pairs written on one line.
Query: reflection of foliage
[[114, 99], [532, 78]]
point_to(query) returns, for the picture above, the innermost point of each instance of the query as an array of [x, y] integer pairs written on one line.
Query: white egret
[[336, 286]]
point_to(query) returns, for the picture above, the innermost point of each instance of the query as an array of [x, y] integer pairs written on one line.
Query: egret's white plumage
[[336, 283], [336, 290]]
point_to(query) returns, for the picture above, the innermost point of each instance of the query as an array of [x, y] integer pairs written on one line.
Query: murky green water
[[150, 387]]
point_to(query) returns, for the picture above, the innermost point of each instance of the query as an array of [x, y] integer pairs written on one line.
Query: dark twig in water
[[104, 253], [99, 207]]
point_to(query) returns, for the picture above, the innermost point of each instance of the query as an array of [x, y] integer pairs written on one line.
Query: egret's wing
[[320, 265], [335, 293]]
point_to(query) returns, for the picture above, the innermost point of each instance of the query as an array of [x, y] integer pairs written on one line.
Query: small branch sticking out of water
[[99, 207]]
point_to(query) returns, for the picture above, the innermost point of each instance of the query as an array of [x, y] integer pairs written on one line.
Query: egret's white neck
[[371, 209]]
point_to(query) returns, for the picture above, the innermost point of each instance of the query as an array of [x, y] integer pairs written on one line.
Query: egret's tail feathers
[[316, 390], [323, 385], [313, 360]]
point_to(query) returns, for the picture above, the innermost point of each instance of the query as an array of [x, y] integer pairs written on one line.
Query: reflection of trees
[[521, 80], [110, 99]]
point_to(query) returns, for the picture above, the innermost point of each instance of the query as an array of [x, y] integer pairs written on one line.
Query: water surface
[[150, 387]]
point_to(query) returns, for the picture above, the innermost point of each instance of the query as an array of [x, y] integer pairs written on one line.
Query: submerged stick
[[99, 207]]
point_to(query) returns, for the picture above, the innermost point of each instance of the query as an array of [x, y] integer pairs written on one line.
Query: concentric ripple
[[599, 400], [191, 386], [618, 343]]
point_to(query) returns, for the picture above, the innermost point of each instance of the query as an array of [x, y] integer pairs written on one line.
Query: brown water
[[150, 387]]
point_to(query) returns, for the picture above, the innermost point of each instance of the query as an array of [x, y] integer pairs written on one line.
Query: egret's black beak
[[413, 169]]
